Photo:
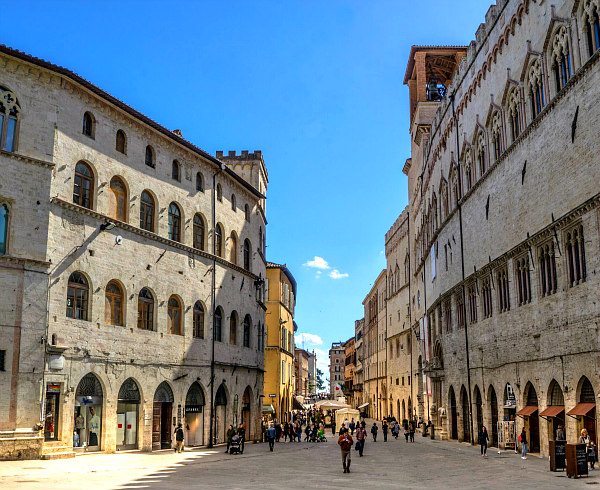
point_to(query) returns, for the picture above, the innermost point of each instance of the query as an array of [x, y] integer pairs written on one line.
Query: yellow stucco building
[[279, 352]]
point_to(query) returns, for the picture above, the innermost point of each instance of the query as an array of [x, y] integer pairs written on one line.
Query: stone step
[[51, 447], [58, 455], [19, 434]]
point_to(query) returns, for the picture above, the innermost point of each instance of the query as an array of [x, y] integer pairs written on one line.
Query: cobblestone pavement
[[395, 464]]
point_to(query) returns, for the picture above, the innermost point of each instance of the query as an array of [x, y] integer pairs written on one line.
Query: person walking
[[411, 431], [589, 447], [345, 442], [384, 428], [483, 439], [523, 441], [374, 430], [333, 425], [361, 436], [286, 429], [352, 426], [271, 434], [229, 435], [242, 433], [179, 438]]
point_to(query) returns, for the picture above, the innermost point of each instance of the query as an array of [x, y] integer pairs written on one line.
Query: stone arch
[[221, 401], [464, 404], [478, 408], [530, 401], [453, 413], [89, 412], [194, 414], [128, 415], [492, 401], [247, 399]]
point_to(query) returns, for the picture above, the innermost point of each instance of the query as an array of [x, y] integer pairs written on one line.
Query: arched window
[[121, 142], [514, 113], [147, 207], [480, 152], [88, 124], [535, 86], [591, 26], [198, 231], [83, 185], [174, 222], [4, 215], [174, 316], [218, 324], [233, 325], [118, 202], [468, 170], [219, 240], [233, 248], [113, 304], [444, 200], [233, 203], [496, 131], [199, 182], [9, 119], [247, 255], [198, 320], [146, 310], [247, 212], [561, 58], [219, 193], [149, 159], [176, 171], [247, 328], [454, 186], [78, 291]]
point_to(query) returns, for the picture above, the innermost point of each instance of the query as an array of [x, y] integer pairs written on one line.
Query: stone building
[[301, 364], [374, 361], [349, 367], [337, 359], [132, 269], [358, 380], [504, 223], [279, 384], [399, 336]]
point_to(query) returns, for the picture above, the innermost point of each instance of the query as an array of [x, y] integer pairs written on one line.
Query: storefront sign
[[193, 408], [53, 388]]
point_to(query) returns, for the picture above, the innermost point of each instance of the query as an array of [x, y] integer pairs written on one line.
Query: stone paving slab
[[395, 464]]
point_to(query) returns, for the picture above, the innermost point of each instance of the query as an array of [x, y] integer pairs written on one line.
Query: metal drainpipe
[[462, 263], [412, 379], [213, 299]]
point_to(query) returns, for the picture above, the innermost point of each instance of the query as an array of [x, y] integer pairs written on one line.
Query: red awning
[[581, 409], [552, 411], [527, 411]]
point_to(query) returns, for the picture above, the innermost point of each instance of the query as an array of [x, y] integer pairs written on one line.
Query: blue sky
[[316, 85]]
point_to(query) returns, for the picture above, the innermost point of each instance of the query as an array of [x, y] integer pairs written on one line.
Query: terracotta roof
[[128, 109], [415, 48], [286, 271]]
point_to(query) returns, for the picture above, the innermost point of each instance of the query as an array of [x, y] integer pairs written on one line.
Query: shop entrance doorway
[[52, 412], [162, 425], [194, 415], [128, 405]]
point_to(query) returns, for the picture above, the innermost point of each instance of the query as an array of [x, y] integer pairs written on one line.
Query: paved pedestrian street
[[395, 464]]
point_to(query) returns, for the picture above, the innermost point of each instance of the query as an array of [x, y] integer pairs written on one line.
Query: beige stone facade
[[114, 294], [504, 224]]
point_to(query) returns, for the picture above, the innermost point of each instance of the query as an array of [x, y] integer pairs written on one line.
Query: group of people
[[237, 437]]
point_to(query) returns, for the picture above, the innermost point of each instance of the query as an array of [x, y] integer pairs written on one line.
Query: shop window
[[247, 328], [147, 209], [174, 222], [89, 125], [9, 119], [198, 320], [118, 201], [114, 301], [247, 255], [88, 413], [146, 310], [78, 291], [503, 289], [83, 185], [523, 280], [174, 315], [218, 325], [121, 142], [547, 266], [575, 246], [4, 224], [199, 182], [199, 230], [149, 159], [233, 321]]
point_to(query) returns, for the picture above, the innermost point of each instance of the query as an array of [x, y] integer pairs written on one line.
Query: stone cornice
[[13, 262], [151, 236], [27, 159]]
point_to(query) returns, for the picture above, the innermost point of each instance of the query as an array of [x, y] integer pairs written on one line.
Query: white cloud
[[318, 274], [335, 274], [318, 263], [308, 338]]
